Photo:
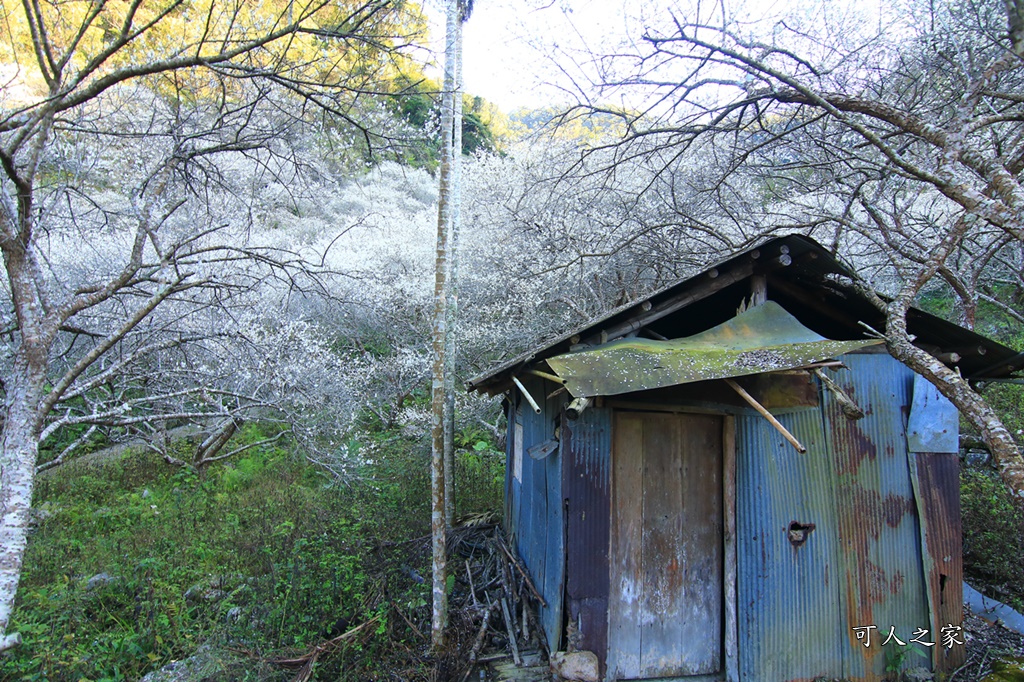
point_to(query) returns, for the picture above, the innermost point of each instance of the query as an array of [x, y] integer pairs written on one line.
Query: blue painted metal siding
[[788, 598], [934, 421], [536, 512], [511, 506]]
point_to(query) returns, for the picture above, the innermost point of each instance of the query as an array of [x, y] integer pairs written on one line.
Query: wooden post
[[730, 558], [758, 290], [767, 415]]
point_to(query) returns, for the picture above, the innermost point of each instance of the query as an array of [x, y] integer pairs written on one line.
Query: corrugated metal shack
[[701, 491]]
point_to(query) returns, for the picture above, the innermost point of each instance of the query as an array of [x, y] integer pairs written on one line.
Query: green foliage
[[993, 532], [476, 135], [479, 472], [897, 657], [418, 105], [1006, 670], [134, 563]]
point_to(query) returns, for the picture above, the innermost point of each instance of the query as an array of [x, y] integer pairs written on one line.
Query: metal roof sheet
[[764, 338], [802, 276]]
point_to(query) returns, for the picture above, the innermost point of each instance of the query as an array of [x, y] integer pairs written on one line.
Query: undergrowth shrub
[[993, 533], [133, 563]]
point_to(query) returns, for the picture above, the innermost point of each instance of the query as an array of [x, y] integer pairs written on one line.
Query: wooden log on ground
[[511, 633]]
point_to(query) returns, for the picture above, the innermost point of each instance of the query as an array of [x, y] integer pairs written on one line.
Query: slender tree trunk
[[18, 452], [23, 388], [452, 310], [439, 615]]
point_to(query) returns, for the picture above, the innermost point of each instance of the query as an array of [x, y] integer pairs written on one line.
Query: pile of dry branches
[[493, 604], [492, 616]]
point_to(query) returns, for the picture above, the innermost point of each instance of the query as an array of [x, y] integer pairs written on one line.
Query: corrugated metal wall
[[788, 598], [880, 537], [587, 445], [861, 565], [534, 510]]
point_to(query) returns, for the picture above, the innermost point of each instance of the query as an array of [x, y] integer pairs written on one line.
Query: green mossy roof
[[765, 338]]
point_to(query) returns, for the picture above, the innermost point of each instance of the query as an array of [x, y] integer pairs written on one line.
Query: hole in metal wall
[[798, 533]]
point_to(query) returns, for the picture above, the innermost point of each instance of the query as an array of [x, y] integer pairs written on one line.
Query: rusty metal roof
[[764, 338], [802, 276]]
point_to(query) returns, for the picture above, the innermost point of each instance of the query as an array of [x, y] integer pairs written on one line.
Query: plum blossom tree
[[114, 223], [898, 138]]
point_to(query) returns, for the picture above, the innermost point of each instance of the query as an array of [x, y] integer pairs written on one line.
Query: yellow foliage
[[504, 129], [582, 126], [68, 44]]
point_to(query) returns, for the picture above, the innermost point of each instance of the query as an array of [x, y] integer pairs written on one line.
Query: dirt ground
[[986, 643]]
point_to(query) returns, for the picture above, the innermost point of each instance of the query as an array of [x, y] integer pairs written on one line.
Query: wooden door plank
[[661, 630], [626, 551], [701, 610]]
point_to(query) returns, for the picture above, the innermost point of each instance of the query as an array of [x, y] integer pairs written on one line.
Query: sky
[[510, 46], [528, 53]]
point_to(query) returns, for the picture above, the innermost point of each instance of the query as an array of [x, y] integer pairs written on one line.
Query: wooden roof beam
[[707, 286], [713, 281]]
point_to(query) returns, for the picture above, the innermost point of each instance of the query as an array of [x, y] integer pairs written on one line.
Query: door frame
[[730, 636]]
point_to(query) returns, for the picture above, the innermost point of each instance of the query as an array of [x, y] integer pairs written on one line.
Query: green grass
[[276, 558]]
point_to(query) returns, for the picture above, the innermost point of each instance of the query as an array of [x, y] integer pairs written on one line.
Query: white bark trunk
[[439, 614], [18, 451], [19, 441], [452, 297]]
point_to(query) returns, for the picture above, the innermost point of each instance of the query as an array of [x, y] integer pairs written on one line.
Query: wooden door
[[665, 602]]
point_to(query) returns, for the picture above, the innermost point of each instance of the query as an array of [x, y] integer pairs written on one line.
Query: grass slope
[[134, 563]]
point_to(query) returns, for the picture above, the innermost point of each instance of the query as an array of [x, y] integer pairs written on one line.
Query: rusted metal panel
[[586, 484], [790, 609], [932, 436], [880, 540], [938, 502], [934, 424]]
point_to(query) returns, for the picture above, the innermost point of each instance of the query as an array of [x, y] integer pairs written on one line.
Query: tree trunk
[[452, 298], [208, 449], [439, 614], [18, 452], [1005, 452]]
